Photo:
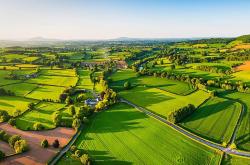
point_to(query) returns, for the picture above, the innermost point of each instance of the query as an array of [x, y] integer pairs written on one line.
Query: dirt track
[[37, 155]]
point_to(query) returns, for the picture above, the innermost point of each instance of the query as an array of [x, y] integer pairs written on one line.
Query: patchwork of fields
[[123, 135]]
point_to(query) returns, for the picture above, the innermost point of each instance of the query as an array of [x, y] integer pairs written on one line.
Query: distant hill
[[244, 38]]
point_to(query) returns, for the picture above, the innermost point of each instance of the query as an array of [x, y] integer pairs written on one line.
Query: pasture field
[[123, 135], [27, 65], [242, 138], [12, 103], [58, 72], [10, 57], [54, 80], [84, 80], [243, 76], [21, 89], [41, 114], [30, 59], [214, 120], [4, 80], [235, 160], [121, 76], [46, 92], [162, 102]]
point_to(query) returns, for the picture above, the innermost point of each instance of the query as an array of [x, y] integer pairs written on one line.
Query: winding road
[[191, 135]]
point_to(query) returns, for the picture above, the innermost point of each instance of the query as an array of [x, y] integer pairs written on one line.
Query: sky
[[107, 19]]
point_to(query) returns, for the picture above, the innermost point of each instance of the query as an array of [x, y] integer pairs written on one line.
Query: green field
[[46, 92], [120, 77], [54, 80], [242, 138], [58, 72], [123, 135], [215, 120], [13, 103], [162, 102], [21, 89], [84, 80], [4, 80], [235, 160], [41, 114]]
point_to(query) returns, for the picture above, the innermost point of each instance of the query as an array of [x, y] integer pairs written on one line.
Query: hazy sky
[[102, 19]]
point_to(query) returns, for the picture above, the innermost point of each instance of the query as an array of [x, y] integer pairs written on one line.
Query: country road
[[187, 133]]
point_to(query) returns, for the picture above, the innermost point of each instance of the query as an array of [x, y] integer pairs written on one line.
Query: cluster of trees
[[4, 92], [4, 116], [78, 154], [15, 141], [108, 97], [45, 143], [2, 155], [214, 69], [239, 56], [81, 116], [180, 114]]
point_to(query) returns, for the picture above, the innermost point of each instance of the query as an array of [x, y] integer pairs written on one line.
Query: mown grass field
[[12, 103], [58, 72], [46, 92], [84, 80], [41, 114], [21, 89], [120, 77], [214, 120], [54, 80], [123, 135], [162, 102], [243, 134]]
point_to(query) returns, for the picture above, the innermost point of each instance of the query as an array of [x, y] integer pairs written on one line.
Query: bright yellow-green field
[[13, 103], [46, 92], [84, 80], [21, 89], [30, 59], [162, 102], [58, 72], [54, 80]]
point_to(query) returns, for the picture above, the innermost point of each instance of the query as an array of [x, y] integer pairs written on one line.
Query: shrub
[[57, 118], [4, 116], [76, 123], [85, 159], [78, 153], [127, 85], [37, 126], [21, 146], [45, 143], [56, 144], [12, 122], [2, 155], [73, 148], [72, 110], [13, 139]]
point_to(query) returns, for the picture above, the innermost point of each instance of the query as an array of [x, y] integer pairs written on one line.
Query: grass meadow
[[21, 89], [214, 120], [12, 103], [84, 80], [41, 114], [123, 135], [162, 102]]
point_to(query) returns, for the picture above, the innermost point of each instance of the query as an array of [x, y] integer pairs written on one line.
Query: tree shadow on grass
[[104, 158], [208, 110]]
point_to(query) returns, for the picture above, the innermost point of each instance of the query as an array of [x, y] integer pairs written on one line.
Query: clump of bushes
[[180, 114], [2, 155], [56, 144], [38, 126], [4, 116], [45, 143], [21, 146]]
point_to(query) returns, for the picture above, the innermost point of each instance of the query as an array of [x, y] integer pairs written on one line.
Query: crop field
[[21, 89], [11, 103], [41, 114], [84, 80], [214, 120], [30, 59], [242, 138], [123, 135], [162, 102], [54, 80], [46, 92]]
